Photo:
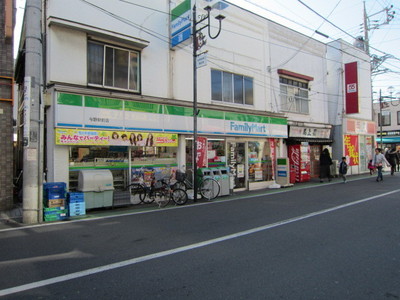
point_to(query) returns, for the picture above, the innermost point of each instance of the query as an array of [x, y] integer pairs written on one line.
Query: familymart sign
[[88, 112], [181, 23]]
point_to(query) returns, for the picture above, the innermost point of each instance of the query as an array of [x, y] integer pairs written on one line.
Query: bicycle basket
[[180, 176]]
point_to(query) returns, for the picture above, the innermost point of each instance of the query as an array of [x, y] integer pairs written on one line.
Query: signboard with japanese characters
[[114, 138]]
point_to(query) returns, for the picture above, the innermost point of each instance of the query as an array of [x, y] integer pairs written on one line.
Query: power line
[[166, 39]]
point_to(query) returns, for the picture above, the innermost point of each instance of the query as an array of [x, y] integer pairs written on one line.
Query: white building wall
[[66, 56], [339, 54], [241, 48], [297, 53], [115, 21], [57, 169]]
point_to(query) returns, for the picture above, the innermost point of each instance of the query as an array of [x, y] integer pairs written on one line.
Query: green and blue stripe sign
[[79, 111], [181, 23]]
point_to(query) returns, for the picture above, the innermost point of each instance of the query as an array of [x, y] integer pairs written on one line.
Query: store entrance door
[[237, 164]]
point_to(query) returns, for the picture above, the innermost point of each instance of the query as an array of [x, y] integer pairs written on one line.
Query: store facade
[[304, 146], [133, 138], [358, 143]]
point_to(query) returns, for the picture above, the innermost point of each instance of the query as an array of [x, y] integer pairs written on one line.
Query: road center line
[[137, 260]]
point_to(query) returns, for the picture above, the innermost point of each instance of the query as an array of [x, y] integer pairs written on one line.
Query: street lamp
[[196, 45]]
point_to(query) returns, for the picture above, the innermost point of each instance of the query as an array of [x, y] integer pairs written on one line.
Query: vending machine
[[300, 162]]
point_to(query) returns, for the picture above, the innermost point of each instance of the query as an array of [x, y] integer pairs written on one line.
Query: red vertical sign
[[351, 85], [351, 149], [201, 158], [272, 146], [294, 160]]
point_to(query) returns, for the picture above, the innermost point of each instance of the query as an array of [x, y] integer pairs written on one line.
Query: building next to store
[[118, 93], [7, 22], [387, 116]]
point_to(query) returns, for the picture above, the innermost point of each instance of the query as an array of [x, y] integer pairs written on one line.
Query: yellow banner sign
[[114, 138]]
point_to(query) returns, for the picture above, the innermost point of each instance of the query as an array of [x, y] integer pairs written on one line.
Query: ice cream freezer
[[97, 186]]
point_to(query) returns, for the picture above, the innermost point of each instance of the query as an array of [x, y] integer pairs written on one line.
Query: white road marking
[[137, 260], [48, 258]]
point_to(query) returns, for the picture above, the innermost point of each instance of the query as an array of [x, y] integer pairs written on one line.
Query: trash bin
[[208, 173], [216, 174], [224, 181], [204, 173], [97, 186]]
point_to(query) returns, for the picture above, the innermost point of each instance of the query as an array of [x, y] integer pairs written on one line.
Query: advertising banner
[[201, 158], [114, 138], [351, 85], [351, 149]]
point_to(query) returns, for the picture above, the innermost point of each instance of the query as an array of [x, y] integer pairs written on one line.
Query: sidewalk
[[13, 218]]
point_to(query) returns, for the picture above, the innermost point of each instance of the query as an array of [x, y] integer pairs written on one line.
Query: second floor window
[[233, 88], [294, 96], [113, 67]]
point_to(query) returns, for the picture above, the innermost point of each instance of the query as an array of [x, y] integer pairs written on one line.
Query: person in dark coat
[[391, 157], [325, 162]]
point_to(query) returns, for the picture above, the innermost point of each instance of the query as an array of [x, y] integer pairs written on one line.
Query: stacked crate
[[54, 201], [76, 204]]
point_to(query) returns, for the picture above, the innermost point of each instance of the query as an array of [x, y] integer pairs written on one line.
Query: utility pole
[[375, 24], [380, 117], [32, 170], [196, 45]]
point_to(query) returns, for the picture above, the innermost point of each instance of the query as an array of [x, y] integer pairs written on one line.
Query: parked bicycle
[[208, 187], [159, 191]]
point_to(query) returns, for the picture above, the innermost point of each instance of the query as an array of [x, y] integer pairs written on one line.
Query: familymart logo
[[247, 127]]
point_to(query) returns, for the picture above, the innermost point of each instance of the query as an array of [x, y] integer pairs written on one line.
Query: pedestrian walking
[[391, 157], [398, 160], [343, 169], [378, 161], [325, 162]]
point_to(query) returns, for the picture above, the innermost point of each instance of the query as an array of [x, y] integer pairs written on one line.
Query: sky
[[334, 18], [343, 19]]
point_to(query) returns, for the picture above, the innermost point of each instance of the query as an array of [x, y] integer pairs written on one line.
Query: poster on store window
[[201, 158], [351, 149], [114, 138]]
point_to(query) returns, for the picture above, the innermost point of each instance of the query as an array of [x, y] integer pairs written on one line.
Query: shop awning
[[388, 140], [309, 140]]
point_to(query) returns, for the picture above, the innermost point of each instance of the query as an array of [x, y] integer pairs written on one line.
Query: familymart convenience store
[[134, 138]]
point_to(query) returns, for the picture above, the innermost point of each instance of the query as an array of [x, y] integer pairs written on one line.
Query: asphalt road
[[329, 241]]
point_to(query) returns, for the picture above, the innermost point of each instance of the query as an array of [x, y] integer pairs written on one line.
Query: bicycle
[[209, 187], [160, 191]]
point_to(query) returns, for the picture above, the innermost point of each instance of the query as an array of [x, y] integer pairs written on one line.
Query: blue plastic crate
[[76, 196], [75, 213], [54, 185], [77, 206], [54, 195]]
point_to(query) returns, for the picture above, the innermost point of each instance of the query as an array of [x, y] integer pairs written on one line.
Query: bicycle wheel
[[179, 185], [209, 188], [137, 193], [162, 198], [150, 196], [179, 196]]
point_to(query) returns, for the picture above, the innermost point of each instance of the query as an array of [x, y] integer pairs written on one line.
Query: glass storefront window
[[237, 163], [260, 163], [216, 153], [115, 158], [97, 156]]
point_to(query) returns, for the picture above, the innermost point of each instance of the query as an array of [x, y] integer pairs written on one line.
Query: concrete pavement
[[13, 218]]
